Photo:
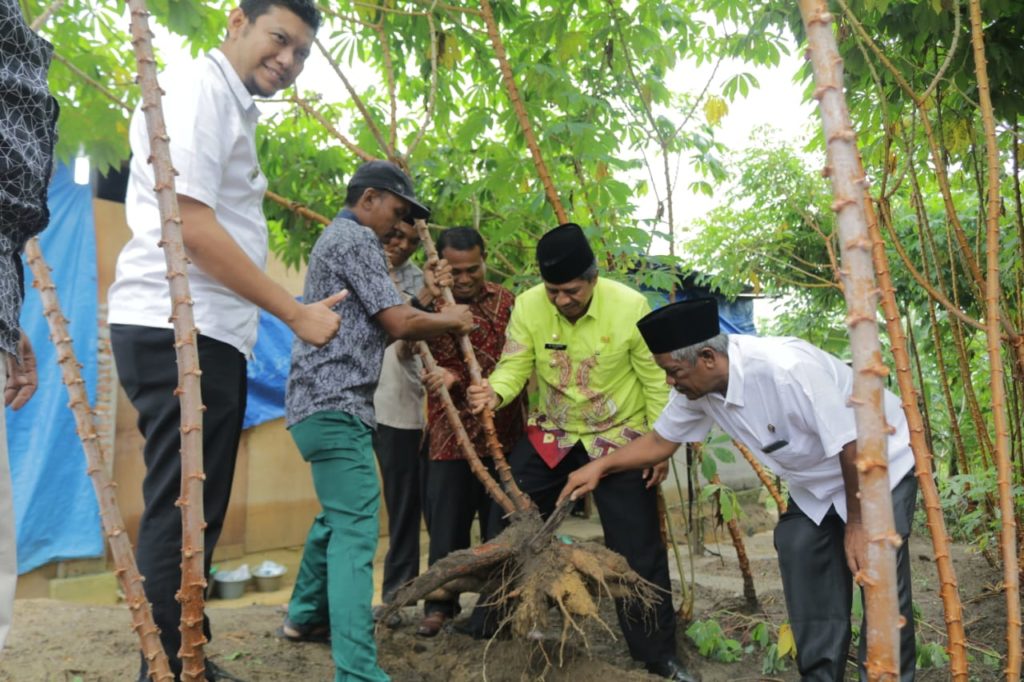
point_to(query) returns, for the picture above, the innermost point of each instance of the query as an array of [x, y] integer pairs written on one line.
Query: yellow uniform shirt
[[596, 378]]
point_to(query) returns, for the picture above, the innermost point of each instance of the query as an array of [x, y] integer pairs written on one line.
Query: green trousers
[[335, 579]]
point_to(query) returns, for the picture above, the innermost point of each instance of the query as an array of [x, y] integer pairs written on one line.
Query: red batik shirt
[[491, 313]]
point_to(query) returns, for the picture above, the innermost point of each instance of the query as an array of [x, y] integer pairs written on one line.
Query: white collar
[[234, 83]]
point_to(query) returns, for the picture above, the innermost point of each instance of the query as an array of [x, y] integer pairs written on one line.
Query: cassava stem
[[125, 568], [508, 482], [193, 582], [861, 293]]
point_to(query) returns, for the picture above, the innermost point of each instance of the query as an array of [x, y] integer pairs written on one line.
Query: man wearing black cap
[[787, 400], [598, 389], [330, 414]]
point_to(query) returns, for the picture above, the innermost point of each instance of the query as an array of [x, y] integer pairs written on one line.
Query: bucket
[[269, 580], [230, 589]]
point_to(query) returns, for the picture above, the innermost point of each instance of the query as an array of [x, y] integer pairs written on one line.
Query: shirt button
[[554, 337], [552, 363]]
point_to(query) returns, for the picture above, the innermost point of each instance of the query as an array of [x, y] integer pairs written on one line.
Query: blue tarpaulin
[[734, 317], [267, 371], [55, 507]]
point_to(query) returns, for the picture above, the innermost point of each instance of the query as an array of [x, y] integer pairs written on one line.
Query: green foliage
[[772, 662], [717, 446], [963, 499], [713, 643], [931, 655], [605, 88]]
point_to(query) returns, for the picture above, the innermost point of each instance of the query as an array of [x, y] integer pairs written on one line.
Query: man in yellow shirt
[[598, 389]]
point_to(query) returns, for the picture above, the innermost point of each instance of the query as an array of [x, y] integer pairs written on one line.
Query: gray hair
[[590, 274], [689, 354]]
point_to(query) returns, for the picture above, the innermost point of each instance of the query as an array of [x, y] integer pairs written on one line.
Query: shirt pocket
[[604, 367]]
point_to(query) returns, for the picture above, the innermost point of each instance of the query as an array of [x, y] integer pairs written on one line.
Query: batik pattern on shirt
[[28, 118], [596, 379], [491, 313], [343, 374]]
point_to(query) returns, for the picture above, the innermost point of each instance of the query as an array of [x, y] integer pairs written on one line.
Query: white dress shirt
[[211, 120], [783, 389]]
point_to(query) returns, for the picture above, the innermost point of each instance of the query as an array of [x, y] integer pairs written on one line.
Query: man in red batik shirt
[[454, 495]]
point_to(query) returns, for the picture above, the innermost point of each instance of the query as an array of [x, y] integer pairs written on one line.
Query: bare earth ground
[[57, 641]]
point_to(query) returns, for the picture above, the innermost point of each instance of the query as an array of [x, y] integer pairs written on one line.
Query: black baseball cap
[[386, 176]]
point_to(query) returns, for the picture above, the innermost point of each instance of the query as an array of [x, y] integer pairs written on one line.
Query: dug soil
[[59, 641]]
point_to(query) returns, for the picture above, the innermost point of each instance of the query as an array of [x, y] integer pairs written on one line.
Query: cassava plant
[[861, 292], [993, 314], [508, 483], [97, 462], [193, 581]]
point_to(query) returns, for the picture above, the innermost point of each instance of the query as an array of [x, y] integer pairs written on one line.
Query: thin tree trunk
[[954, 421], [1011, 577], [749, 593], [762, 475], [508, 482], [297, 207], [520, 111], [948, 587], [475, 465], [861, 292], [193, 581], [125, 568]]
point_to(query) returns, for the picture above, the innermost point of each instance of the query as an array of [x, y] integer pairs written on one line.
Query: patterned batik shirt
[[342, 375], [596, 379], [491, 312], [28, 117]]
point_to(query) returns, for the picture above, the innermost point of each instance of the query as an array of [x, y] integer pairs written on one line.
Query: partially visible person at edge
[[28, 118], [454, 494], [598, 389], [788, 401], [211, 122], [329, 410], [399, 439]]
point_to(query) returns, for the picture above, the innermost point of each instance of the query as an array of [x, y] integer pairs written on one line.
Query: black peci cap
[[564, 254], [389, 177], [679, 325]]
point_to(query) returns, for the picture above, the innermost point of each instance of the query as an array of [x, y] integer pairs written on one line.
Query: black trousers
[[148, 371], [629, 517], [454, 498], [401, 454], [819, 587]]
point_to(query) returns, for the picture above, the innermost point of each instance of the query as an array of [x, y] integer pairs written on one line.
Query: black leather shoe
[[670, 669]]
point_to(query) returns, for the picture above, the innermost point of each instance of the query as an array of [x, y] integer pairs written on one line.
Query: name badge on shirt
[[772, 447], [555, 346]]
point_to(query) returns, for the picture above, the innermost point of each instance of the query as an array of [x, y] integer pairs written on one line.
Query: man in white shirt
[[211, 121], [787, 401]]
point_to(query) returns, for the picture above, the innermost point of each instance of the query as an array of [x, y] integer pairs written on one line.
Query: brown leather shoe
[[432, 624]]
